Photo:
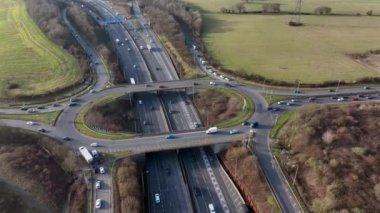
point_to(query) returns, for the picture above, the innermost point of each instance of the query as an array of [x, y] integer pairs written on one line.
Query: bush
[[271, 8], [369, 13], [322, 10]]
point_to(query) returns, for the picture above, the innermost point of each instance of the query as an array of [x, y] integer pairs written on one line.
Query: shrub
[[369, 13], [271, 8], [322, 10]]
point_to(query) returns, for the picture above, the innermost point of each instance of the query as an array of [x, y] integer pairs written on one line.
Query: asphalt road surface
[[163, 176]]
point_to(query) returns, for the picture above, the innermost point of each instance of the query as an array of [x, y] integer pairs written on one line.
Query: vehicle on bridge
[[212, 130], [169, 136], [132, 81]]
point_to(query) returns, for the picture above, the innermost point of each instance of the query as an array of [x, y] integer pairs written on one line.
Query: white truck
[[132, 81], [86, 154], [149, 47], [212, 130]]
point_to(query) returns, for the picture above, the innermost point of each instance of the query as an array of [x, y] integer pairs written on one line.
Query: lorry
[[212, 130], [86, 154], [132, 81]]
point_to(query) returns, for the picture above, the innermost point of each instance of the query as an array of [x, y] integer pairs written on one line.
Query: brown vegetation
[[166, 16], [117, 115], [128, 190], [243, 168], [336, 154], [215, 105], [78, 196], [38, 165]]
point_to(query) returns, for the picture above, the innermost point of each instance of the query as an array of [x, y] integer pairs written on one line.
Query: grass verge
[[83, 128], [30, 63], [280, 122], [46, 118]]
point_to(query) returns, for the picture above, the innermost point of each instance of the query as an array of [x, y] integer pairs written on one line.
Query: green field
[[29, 60], [266, 45]]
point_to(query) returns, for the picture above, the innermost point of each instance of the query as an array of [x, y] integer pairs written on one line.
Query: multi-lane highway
[[128, 58]]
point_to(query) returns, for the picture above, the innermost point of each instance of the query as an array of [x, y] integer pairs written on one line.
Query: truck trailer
[[86, 154]]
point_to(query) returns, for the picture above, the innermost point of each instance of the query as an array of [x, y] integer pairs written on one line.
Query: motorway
[[65, 123]]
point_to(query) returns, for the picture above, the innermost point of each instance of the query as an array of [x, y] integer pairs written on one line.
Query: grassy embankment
[[267, 46], [46, 118], [223, 107], [30, 63], [80, 123], [245, 171]]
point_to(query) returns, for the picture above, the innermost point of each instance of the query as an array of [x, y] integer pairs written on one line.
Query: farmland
[[30, 63], [267, 46]]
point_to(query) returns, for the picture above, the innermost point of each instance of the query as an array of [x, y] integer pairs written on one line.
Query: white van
[[211, 208]]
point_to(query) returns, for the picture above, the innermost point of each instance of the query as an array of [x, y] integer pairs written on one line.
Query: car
[[93, 91], [145, 123], [32, 110], [31, 123], [293, 100], [102, 170], [134, 66], [97, 184], [42, 130], [98, 203], [281, 102], [151, 108], [56, 105], [140, 102], [161, 86], [157, 198], [289, 103], [214, 73], [71, 104], [169, 136], [297, 91], [126, 39], [74, 99], [197, 191], [195, 83], [269, 108], [148, 85], [369, 97], [354, 99], [254, 124], [311, 99], [129, 49], [157, 68], [24, 108], [196, 125], [361, 95], [340, 99], [366, 87], [227, 79], [93, 144], [41, 107], [245, 123], [331, 90], [66, 139], [233, 131], [212, 83]]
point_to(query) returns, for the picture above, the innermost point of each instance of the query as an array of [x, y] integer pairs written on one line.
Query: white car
[[157, 198], [102, 170], [31, 123], [140, 101], [97, 184], [126, 39], [98, 203], [340, 99], [280, 102], [212, 83], [94, 144], [227, 79], [93, 91], [233, 131], [134, 66], [214, 73], [32, 110], [129, 49]]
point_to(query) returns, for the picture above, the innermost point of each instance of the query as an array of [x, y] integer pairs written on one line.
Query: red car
[[354, 99]]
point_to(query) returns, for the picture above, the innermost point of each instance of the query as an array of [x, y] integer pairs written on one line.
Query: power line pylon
[[295, 21]]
